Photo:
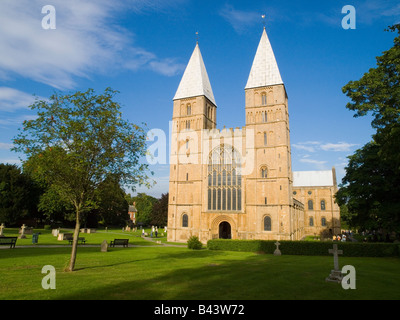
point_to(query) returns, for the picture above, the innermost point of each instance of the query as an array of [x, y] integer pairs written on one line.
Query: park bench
[[8, 241], [119, 242], [70, 239]]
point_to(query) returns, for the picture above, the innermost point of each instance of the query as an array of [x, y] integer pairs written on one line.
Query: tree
[[370, 187], [378, 91], [19, 194], [159, 216], [144, 205], [78, 140], [367, 191], [112, 205]]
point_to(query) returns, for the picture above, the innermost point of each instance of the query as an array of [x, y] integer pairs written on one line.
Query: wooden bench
[[119, 242], [70, 239], [8, 241]]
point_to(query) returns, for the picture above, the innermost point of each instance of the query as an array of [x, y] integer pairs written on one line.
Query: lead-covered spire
[[195, 81], [264, 71]]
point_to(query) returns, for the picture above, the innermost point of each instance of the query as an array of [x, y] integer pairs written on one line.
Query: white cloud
[[312, 161], [240, 20], [12, 99], [313, 146], [11, 161], [6, 146], [304, 147], [339, 147], [87, 40]]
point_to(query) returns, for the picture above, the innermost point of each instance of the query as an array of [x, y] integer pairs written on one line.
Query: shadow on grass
[[219, 277]]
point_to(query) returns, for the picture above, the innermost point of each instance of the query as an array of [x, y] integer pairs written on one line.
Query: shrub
[[194, 243], [311, 248]]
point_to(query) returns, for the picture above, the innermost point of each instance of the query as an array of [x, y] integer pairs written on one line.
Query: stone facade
[[235, 183], [322, 214]]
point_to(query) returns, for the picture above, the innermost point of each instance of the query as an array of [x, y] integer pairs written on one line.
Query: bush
[[194, 243], [311, 248]]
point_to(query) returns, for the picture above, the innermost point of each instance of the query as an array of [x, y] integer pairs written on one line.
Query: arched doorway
[[225, 230]]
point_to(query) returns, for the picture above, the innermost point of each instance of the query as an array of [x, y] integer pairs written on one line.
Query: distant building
[[316, 190], [132, 211]]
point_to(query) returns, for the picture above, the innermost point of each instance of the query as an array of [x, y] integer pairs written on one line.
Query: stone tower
[[269, 199], [194, 110], [232, 183]]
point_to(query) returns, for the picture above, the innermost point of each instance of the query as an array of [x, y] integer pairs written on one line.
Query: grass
[[46, 238], [169, 273]]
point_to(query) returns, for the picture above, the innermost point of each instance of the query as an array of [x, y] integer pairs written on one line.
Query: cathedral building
[[238, 183]]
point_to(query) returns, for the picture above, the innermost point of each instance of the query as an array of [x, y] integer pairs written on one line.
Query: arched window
[[265, 138], [310, 205], [189, 109], [323, 222], [311, 223], [224, 180], [263, 172], [263, 99], [264, 116], [267, 223], [185, 220], [322, 204]]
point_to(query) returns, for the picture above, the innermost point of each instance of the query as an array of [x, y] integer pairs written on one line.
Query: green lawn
[[46, 238], [158, 272]]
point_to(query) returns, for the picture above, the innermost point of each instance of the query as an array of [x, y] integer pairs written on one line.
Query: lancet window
[[224, 180]]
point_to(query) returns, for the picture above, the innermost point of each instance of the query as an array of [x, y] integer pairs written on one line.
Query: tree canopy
[[76, 142], [370, 188], [19, 194]]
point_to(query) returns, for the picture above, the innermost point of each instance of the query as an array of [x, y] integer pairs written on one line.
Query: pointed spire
[[264, 71], [195, 80]]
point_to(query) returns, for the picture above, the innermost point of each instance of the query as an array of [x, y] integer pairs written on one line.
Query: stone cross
[[335, 253], [336, 274], [23, 236], [1, 230], [277, 252]]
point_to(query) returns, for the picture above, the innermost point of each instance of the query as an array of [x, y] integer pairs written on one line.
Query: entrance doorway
[[225, 230]]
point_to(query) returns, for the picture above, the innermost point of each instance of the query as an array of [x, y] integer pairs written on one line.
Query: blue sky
[[141, 48]]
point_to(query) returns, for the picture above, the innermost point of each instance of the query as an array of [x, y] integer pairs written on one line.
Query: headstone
[[22, 236], [277, 252], [336, 274], [55, 232], [1, 230], [104, 246]]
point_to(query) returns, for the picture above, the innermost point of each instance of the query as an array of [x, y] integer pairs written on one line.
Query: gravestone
[[1, 230], [104, 246], [336, 274], [277, 252], [22, 236]]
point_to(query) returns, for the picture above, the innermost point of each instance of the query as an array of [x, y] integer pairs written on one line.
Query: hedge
[[311, 248]]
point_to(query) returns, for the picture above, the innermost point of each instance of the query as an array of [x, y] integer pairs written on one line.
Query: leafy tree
[[159, 214], [112, 205], [378, 91], [370, 187], [19, 194], [55, 208], [78, 140], [144, 205]]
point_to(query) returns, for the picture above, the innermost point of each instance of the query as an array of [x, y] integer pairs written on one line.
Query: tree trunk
[[75, 242]]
